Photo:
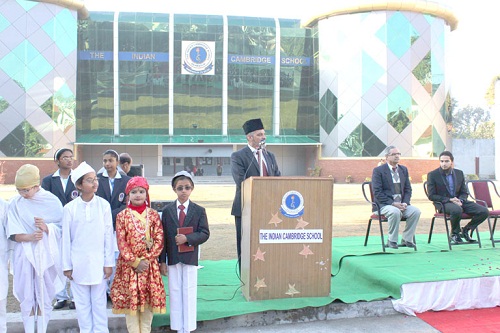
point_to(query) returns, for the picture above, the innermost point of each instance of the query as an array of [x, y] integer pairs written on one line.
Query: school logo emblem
[[74, 194], [292, 204], [198, 58], [121, 196]]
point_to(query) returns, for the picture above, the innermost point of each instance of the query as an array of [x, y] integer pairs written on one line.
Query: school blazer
[[437, 188], [117, 200], [54, 186], [244, 165], [196, 217], [383, 186]]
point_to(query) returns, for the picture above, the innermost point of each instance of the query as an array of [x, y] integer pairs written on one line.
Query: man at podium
[[252, 160]]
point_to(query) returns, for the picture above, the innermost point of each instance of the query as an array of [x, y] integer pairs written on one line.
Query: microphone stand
[[262, 147], [261, 162]]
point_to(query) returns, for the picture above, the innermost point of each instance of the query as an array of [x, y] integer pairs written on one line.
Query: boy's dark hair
[[125, 158], [59, 152], [446, 153], [79, 182]]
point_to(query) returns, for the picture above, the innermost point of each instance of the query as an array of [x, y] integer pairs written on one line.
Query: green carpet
[[367, 274], [359, 273]]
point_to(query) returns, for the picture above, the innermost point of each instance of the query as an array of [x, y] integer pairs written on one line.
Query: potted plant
[[348, 179]]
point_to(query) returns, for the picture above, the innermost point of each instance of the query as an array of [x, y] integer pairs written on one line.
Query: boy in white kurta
[[4, 272], [34, 223], [87, 250]]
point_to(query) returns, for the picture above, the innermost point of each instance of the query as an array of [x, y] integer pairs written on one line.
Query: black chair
[[482, 195], [376, 215], [439, 214]]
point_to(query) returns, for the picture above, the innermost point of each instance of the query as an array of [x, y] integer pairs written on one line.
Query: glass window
[[143, 71], [198, 97], [299, 104], [94, 100], [251, 68]]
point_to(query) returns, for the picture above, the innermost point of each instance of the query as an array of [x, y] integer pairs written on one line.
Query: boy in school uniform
[[185, 227], [59, 184]]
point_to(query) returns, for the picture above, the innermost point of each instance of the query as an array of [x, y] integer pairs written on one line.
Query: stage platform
[[432, 278]]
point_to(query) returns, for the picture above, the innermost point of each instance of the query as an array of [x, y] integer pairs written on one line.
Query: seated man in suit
[[392, 191], [447, 185]]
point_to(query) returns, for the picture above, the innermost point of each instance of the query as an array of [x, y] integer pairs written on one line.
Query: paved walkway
[[359, 317]]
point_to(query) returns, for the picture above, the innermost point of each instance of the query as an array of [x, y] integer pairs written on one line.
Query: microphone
[[262, 144]]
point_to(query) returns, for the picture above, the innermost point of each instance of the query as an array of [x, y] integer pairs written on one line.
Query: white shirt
[[87, 239], [186, 205], [64, 181]]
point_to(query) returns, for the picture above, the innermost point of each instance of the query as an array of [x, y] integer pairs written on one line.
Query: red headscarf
[[134, 182]]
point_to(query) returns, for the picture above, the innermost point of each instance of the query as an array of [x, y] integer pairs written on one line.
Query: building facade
[[173, 89]]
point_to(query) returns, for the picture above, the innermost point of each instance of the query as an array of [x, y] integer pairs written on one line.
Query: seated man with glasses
[[392, 191]]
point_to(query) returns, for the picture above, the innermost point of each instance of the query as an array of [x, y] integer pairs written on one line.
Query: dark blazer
[[196, 217], [437, 186], [104, 191], [383, 186], [244, 165], [53, 184]]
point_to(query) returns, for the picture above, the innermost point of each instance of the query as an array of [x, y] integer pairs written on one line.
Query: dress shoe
[[392, 245], [407, 243], [455, 238], [465, 235], [60, 304], [72, 305]]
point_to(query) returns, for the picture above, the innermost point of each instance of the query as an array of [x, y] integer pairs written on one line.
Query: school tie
[[111, 184], [395, 175], [264, 169], [182, 215]]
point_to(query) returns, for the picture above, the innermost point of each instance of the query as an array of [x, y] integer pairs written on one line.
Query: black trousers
[[479, 214]]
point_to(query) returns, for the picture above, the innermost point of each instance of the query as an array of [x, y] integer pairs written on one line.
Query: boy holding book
[[185, 227]]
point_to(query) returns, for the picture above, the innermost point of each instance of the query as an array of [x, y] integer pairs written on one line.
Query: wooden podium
[[286, 245]]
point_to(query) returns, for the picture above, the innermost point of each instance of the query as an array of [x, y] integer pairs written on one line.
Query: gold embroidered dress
[[139, 236]]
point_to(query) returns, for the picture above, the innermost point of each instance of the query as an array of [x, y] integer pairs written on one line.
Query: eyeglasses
[[182, 188], [91, 180], [24, 190], [395, 154], [67, 158]]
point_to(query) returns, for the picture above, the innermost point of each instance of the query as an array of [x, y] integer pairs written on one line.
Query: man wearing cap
[[60, 184], [34, 224], [245, 163]]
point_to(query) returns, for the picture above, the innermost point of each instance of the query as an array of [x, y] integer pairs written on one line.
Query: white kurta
[[4, 256], [87, 240], [37, 271]]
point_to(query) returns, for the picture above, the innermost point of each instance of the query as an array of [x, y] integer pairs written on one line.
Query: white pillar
[[495, 109], [116, 77], [159, 157]]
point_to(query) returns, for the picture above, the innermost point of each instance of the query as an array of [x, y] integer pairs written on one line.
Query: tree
[[469, 122]]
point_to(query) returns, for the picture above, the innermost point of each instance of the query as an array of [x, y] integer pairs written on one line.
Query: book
[[185, 247]]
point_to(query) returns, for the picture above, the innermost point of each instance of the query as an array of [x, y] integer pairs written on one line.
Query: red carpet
[[464, 321]]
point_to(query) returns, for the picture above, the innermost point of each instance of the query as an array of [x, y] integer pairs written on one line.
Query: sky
[[473, 56]]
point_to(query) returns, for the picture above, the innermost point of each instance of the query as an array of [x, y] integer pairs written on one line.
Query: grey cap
[[182, 173]]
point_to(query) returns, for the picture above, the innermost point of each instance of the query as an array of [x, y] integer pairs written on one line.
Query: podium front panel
[[286, 237]]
